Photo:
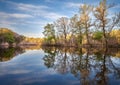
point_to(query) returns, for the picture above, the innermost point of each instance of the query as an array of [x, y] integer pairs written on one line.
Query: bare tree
[[104, 22], [76, 28], [62, 27], [113, 22]]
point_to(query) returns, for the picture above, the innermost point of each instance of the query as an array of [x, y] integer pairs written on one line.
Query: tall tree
[[105, 23], [62, 25], [76, 27], [85, 11]]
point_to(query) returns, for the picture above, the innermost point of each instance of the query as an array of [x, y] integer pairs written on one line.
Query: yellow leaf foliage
[[116, 34]]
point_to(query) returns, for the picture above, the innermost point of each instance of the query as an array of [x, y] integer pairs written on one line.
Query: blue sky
[[28, 17]]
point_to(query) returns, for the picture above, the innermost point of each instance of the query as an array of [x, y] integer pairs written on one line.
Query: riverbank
[[27, 44], [7, 45], [83, 45]]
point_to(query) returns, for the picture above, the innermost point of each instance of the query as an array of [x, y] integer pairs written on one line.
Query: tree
[[85, 11], [18, 39], [1, 33], [113, 22], [49, 58], [105, 23], [76, 27], [49, 33], [62, 26], [9, 37]]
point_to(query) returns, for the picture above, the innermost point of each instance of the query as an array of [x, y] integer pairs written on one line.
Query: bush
[[98, 35]]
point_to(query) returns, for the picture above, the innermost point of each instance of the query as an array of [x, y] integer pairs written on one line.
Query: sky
[[28, 17]]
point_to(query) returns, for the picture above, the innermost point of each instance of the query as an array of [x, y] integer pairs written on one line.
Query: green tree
[[49, 33], [9, 37]]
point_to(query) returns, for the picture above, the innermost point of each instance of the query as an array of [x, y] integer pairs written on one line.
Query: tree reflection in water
[[90, 66], [8, 53], [50, 57]]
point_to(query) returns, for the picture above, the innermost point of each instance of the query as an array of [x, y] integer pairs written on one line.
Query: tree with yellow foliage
[[106, 24], [85, 19]]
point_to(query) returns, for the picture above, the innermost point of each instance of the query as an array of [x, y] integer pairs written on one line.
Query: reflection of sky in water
[[29, 69]]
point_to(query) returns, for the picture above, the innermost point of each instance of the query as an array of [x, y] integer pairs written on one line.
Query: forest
[[91, 26]]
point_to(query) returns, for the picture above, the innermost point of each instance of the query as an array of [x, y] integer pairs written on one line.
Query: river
[[59, 66]]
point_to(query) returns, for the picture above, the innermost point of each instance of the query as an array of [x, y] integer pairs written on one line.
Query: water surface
[[59, 66]]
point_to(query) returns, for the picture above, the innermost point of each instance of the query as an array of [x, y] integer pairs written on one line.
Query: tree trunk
[[80, 37], [65, 39], [105, 38], [87, 36]]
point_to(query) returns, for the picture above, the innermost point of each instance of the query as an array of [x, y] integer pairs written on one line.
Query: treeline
[[33, 40], [91, 25], [8, 37]]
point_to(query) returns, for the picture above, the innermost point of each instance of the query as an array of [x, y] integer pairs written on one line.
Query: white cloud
[[29, 7], [14, 15], [21, 15], [35, 10], [28, 16], [17, 22], [50, 15], [75, 5]]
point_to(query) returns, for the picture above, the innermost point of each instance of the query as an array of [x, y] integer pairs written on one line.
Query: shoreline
[[60, 45]]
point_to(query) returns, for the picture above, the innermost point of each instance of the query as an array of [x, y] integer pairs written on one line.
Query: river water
[[59, 66]]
